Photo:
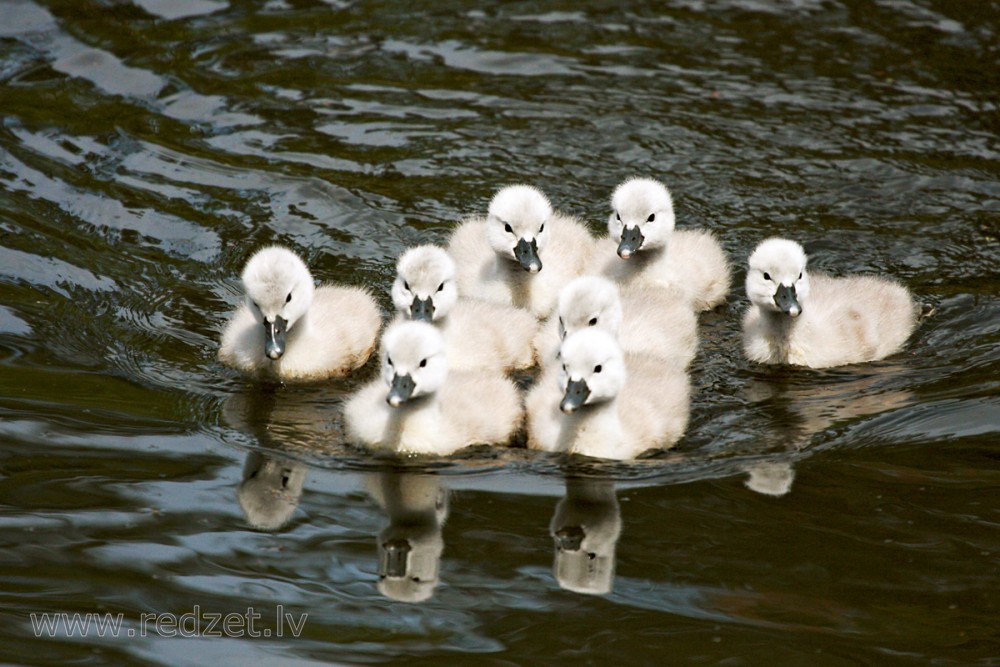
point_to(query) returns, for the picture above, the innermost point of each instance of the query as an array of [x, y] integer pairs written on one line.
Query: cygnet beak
[[632, 239], [422, 309], [576, 395], [784, 299], [400, 390], [527, 254], [274, 337]]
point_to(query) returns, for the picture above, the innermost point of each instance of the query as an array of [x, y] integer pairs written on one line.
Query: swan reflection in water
[[410, 546], [800, 404], [270, 490], [282, 421], [585, 529]]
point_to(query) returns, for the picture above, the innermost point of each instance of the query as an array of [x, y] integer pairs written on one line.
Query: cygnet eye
[[423, 363], [652, 216], [254, 304], [507, 228], [618, 216], [767, 276], [800, 275], [388, 360], [597, 368], [440, 287], [288, 298], [542, 228], [592, 322], [406, 286]]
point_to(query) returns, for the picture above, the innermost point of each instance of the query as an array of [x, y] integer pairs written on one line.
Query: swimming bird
[[289, 329], [522, 253], [419, 407], [818, 321], [598, 403], [650, 251], [478, 334], [647, 321]]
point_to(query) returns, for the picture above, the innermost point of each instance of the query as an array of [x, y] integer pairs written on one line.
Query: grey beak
[[632, 239], [784, 298], [576, 395], [401, 390], [527, 254], [393, 561], [569, 538], [274, 337], [422, 309]]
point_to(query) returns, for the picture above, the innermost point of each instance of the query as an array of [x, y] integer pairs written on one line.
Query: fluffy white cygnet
[[289, 329], [818, 321], [650, 251], [419, 407], [647, 321], [599, 404], [478, 334], [522, 254]]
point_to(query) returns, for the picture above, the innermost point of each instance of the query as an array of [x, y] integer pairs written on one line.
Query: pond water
[[850, 516]]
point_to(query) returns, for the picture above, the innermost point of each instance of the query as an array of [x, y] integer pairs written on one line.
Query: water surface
[[147, 148]]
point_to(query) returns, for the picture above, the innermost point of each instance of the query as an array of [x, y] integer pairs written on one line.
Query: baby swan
[[478, 334], [522, 253], [647, 321], [291, 330], [816, 320], [651, 252], [418, 407], [597, 403]]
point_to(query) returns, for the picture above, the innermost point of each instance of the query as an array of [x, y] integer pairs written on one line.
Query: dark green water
[[146, 148]]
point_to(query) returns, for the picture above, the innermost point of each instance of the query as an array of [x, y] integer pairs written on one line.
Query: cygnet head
[[642, 216], [777, 281], [279, 289], [414, 362], [425, 284], [593, 369], [516, 225], [589, 301]]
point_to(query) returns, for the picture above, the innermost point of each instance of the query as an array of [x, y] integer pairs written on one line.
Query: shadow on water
[[147, 148]]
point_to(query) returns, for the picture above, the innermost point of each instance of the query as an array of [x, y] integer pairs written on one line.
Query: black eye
[[592, 322], [767, 276], [507, 228], [800, 276], [652, 216], [388, 360], [542, 228], [597, 368], [406, 286], [618, 216], [423, 362], [288, 298], [440, 287], [254, 303]]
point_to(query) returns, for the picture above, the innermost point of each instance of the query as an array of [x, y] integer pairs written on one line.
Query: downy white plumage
[[598, 403], [816, 320], [522, 254], [419, 407], [650, 251], [478, 334], [646, 321], [288, 329]]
